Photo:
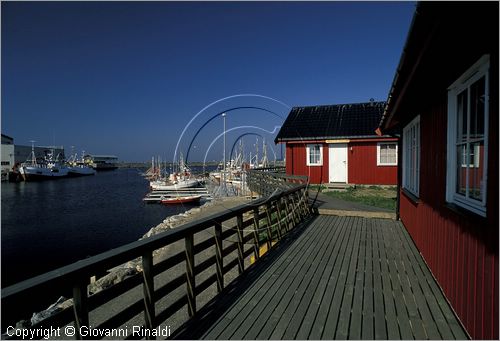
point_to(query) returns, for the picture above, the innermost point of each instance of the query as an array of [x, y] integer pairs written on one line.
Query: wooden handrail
[[289, 205]]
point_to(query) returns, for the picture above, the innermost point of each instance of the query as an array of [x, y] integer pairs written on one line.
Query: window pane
[[461, 169], [477, 99], [476, 172], [462, 116]]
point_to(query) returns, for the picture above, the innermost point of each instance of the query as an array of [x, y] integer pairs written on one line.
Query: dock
[[323, 277], [335, 278]]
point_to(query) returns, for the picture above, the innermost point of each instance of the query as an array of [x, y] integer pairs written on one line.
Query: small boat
[[181, 200], [181, 184]]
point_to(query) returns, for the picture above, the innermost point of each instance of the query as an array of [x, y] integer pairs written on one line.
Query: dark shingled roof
[[332, 121]]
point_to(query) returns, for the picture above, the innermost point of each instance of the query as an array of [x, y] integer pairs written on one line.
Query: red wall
[[460, 248], [296, 163], [362, 165], [363, 169]]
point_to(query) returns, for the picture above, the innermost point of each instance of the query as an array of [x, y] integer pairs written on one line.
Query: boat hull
[[181, 200], [40, 173], [80, 171], [180, 185]]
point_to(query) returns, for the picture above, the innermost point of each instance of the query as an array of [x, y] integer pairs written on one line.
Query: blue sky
[[125, 78]]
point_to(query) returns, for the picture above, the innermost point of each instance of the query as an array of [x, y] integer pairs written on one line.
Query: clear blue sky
[[125, 78]]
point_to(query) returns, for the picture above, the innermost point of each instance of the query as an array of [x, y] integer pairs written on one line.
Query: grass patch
[[383, 197]]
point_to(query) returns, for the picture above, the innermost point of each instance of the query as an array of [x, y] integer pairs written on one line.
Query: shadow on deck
[[333, 278]]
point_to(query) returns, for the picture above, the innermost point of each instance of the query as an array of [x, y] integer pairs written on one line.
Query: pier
[[323, 277]]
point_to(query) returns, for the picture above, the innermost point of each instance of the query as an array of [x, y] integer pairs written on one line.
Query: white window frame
[[475, 72], [411, 182], [380, 163], [308, 153]]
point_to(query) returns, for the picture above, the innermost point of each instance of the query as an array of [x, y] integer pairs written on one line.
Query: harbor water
[[49, 224]]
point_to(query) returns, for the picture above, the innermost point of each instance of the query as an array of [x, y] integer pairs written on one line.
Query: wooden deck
[[334, 278]]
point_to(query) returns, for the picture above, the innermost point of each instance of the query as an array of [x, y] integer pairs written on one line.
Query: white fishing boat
[[32, 170], [177, 180], [184, 183]]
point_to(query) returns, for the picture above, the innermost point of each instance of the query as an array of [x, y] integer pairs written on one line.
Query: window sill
[[386, 165], [314, 165], [465, 213], [410, 196]]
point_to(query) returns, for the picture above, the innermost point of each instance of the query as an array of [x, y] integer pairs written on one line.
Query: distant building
[[444, 102], [22, 153], [338, 144], [13, 154], [7, 155], [101, 162]]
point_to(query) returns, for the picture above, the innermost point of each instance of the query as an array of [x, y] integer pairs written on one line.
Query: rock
[[51, 310], [23, 324], [114, 277]]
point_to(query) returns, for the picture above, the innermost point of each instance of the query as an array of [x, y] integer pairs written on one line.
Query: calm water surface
[[46, 225]]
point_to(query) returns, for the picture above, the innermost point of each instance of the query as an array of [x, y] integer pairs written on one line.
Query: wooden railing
[[235, 236], [267, 180]]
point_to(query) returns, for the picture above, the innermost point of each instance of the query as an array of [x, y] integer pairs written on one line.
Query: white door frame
[[331, 167]]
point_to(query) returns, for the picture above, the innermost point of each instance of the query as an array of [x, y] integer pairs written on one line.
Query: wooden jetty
[[324, 277]]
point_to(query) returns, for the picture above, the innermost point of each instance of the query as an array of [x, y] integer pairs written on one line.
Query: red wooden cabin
[[444, 103], [338, 144]]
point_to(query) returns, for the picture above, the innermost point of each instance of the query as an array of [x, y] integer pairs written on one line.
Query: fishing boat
[[181, 200], [48, 168], [177, 180]]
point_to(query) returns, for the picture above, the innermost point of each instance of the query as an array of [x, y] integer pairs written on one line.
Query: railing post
[[219, 261], [239, 230], [278, 213], [296, 218], [289, 214], [302, 208], [80, 307], [256, 232], [190, 278], [268, 227], [306, 201], [149, 290]]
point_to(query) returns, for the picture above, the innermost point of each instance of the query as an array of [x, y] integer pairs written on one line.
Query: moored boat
[[181, 200], [79, 167], [32, 170]]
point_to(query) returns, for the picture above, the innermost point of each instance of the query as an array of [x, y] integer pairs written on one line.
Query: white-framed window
[[314, 155], [468, 106], [411, 156], [387, 154]]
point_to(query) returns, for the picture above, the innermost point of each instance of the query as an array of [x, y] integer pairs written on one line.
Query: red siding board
[[361, 161], [461, 250]]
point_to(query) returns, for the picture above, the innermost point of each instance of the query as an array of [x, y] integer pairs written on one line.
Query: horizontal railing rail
[[235, 236], [266, 180]]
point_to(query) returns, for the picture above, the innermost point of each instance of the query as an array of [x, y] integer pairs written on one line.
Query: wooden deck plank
[[342, 277], [368, 309], [265, 279], [390, 309], [355, 324], [300, 315], [281, 274], [268, 319], [330, 326], [421, 320], [378, 294], [270, 324], [342, 332], [433, 295], [285, 314], [319, 323], [450, 316], [320, 294]]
